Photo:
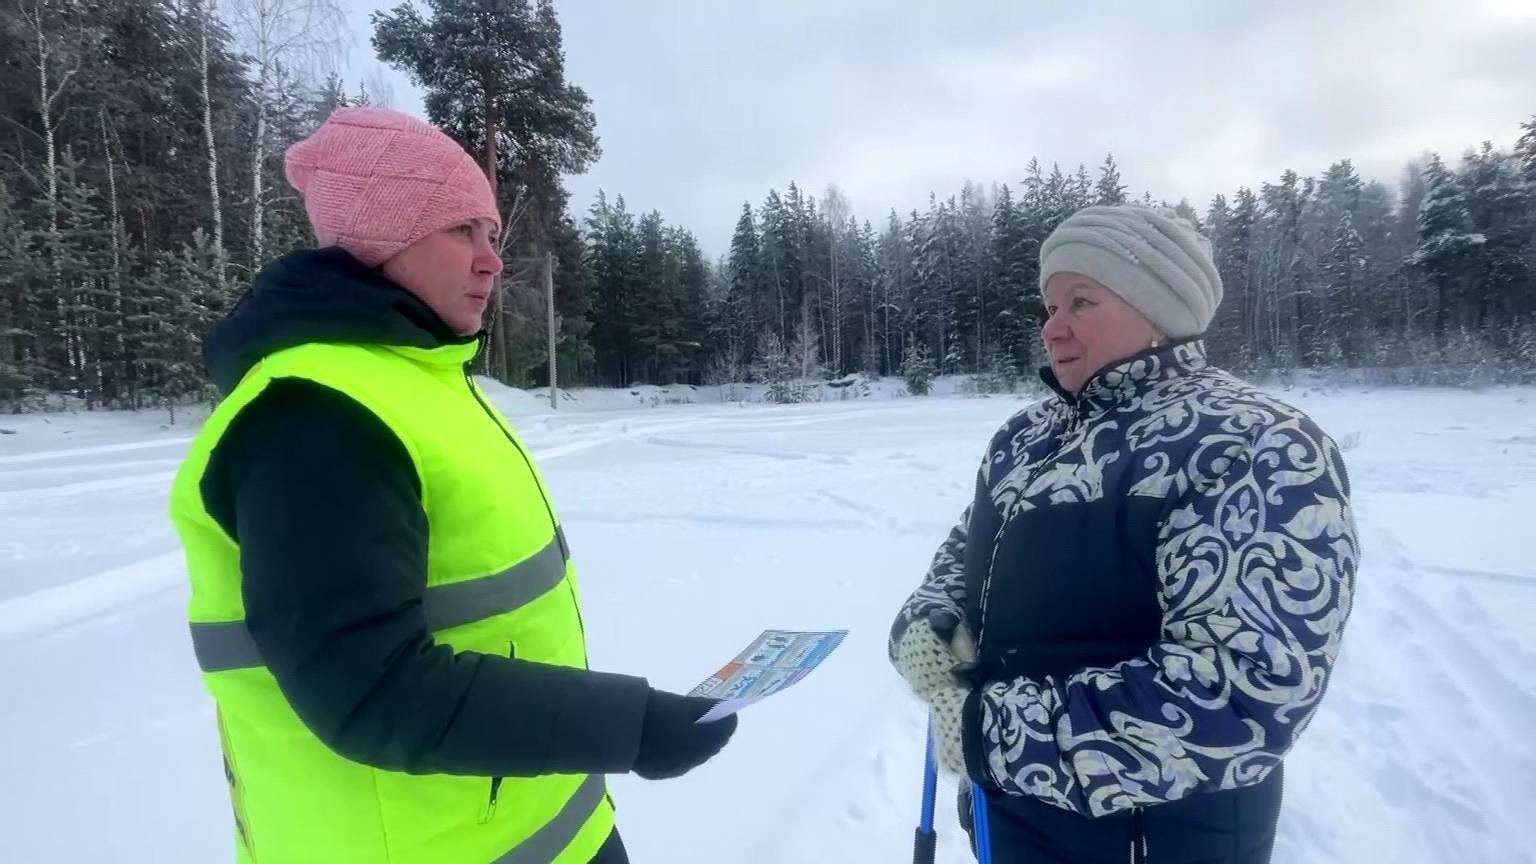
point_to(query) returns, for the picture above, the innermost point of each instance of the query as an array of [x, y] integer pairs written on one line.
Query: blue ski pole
[[923, 845], [981, 824]]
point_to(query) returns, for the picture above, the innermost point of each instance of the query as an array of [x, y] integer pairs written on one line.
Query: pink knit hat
[[375, 181]]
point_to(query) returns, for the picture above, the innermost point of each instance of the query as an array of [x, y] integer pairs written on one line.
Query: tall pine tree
[[494, 76]]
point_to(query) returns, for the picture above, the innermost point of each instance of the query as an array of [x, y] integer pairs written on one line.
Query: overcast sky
[[703, 105]]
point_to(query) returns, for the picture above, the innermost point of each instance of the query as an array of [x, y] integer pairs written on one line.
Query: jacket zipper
[[1029, 480], [1138, 837], [491, 415], [490, 810], [527, 460], [490, 807]]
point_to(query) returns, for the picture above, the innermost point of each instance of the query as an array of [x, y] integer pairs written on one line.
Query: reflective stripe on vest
[[225, 645], [549, 841]]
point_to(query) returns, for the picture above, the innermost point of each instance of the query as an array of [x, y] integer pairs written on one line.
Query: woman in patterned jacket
[[1138, 614]]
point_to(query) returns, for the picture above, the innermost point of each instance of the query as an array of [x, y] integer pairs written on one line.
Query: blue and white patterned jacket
[[1158, 571]]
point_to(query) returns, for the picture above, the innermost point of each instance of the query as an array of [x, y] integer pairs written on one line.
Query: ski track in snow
[[1516, 580], [24, 497], [52, 608], [179, 442], [719, 520], [55, 471]]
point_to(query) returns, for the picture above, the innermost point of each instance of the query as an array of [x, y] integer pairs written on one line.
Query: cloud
[[702, 105]]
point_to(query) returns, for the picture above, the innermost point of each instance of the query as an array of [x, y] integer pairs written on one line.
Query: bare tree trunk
[[885, 322], [838, 212], [807, 339], [837, 312], [106, 147], [281, 34], [778, 287], [46, 97], [208, 8], [111, 344], [259, 159], [869, 322], [981, 351], [48, 94]]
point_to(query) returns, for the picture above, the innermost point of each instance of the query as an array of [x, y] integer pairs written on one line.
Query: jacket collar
[[1122, 382], [326, 295]]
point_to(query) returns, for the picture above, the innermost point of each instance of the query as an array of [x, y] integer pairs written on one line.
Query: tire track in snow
[[53, 472], [1480, 671], [106, 592], [542, 447], [158, 482], [877, 518], [1460, 749], [45, 455], [743, 450], [779, 523], [1410, 718], [1490, 576], [1515, 656], [548, 454]]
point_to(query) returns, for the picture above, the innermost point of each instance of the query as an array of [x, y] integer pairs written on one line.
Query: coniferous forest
[[141, 188]]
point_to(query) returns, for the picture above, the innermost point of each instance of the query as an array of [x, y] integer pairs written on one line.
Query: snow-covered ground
[[697, 526]]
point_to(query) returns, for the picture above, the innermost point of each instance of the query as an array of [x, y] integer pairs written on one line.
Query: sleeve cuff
[[600, 723], [972, 743]]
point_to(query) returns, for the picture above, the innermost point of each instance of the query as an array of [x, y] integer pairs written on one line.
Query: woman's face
[[452, 271], [1088, 327]]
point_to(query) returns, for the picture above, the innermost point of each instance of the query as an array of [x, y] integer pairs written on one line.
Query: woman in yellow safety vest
[[383, 604]]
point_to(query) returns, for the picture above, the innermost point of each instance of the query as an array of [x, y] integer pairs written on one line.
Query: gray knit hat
[[1152, 258]]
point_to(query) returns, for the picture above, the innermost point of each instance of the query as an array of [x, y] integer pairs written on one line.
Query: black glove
[[672, 743]]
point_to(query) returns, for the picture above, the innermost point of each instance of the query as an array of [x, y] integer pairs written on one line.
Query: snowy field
[[697, 526]]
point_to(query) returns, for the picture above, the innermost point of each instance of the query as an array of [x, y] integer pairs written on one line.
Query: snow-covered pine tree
[[748, 305], [1057, 199], [780, 263], [689, 331], [1446, 243], [775, 367], [175, 305], [894, 265], [1501, 280], [91, 324], [613, 260], [17, 272], [1344, 270], [1109, 190], [917, 367], [976, 298], [1187, 210], [654, 300], [866, 284], [1081, 189], [1014, 262]]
